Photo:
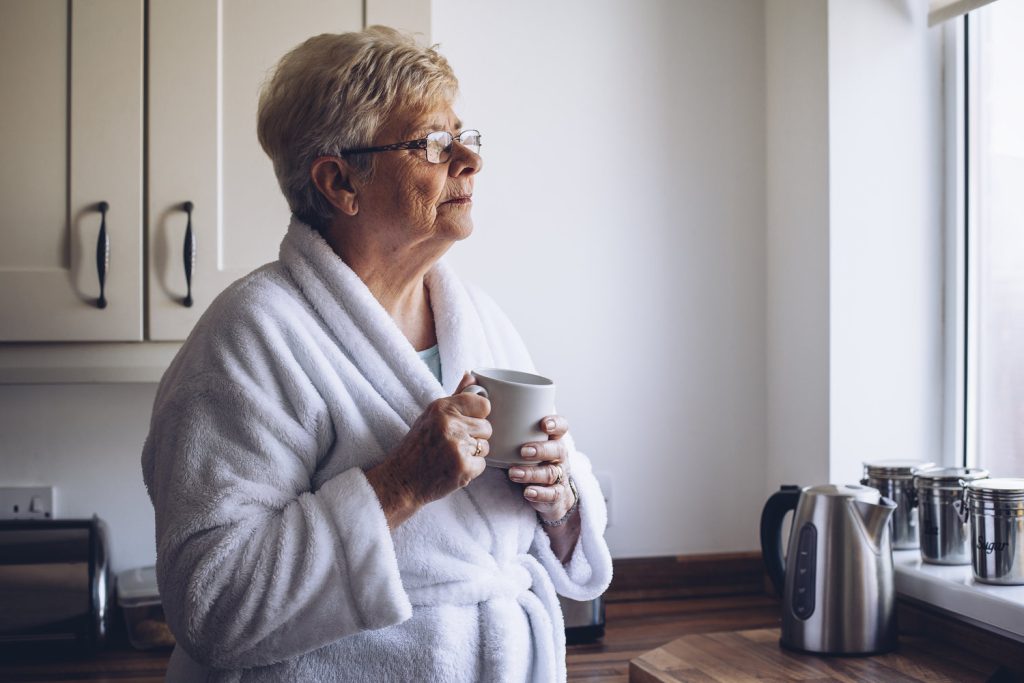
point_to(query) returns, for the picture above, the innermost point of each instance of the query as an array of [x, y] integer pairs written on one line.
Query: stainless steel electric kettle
[[837, 584]]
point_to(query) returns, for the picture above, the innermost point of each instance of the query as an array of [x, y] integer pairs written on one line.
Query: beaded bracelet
[[569, 513]]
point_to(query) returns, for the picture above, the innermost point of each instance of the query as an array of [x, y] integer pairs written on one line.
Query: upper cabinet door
[[207, 61], [71, 138]]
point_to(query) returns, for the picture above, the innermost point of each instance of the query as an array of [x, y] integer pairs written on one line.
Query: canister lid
[[137, 587], [895, 468], [949, 476], [1000, 490], [864, 493]]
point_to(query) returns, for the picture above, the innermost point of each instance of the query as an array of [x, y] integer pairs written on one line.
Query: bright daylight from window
[[997, 235]]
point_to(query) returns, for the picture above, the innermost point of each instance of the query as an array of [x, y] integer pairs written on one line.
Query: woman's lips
[[459, 200]]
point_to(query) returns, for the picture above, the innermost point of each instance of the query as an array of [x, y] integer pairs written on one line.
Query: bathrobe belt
[[516, 581], [501, 581]]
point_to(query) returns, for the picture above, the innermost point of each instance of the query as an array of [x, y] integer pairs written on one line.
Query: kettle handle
[[774, 511]]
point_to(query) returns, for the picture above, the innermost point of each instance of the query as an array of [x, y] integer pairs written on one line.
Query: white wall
[[797, 255], [885, 231], [854, 224], [619, 220], [86, 440]]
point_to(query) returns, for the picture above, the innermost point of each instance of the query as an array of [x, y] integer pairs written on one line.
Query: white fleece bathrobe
[[274, 558]]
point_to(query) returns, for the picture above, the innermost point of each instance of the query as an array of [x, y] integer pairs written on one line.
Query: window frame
[[951, 589], [963, 66], [958, 425]]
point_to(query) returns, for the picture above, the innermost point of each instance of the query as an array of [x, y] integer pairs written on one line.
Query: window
[[993, 259], [984, 107]]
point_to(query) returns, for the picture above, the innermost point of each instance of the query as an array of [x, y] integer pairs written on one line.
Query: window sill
[[999, 609]]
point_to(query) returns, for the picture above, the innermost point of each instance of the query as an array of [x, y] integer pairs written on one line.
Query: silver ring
[[561, 474], [479, 448]]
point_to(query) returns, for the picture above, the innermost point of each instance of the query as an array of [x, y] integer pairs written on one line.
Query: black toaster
[[54, 584]]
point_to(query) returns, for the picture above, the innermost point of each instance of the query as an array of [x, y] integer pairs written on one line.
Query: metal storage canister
[[996, 511], [944, 534], [895, 480]]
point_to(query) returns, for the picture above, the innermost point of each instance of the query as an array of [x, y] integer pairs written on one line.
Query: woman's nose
[[464, 161]]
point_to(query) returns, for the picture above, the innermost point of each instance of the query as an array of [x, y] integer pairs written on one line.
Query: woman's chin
[[456, 231]]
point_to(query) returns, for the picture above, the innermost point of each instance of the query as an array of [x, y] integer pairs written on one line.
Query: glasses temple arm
[[410, 144]]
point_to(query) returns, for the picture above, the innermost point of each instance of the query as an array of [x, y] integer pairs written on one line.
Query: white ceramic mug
[[519, 401]]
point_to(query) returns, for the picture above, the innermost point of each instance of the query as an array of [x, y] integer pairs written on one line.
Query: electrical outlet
[[605, 480], [26, 502]]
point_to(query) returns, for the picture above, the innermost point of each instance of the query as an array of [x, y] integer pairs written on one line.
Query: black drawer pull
[[189, 254], [102, 254]]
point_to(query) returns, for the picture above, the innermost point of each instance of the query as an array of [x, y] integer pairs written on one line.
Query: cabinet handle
[[102, 254], [189, 253]]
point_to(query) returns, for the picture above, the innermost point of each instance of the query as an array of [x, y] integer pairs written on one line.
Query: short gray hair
[[334, 92]]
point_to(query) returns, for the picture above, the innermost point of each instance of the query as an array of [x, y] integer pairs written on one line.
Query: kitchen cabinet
[[147, 108], [206, 63], [73, 77], [71, 121]]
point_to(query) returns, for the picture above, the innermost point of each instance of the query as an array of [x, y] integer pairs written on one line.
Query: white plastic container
[[139, 598]]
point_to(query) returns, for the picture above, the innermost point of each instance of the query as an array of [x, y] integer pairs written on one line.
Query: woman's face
[[416, 200]]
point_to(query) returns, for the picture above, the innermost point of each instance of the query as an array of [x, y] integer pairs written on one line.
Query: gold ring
[[479, 448], [560, 475]]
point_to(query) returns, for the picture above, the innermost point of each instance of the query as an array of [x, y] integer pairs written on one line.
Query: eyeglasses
[[437, 145]]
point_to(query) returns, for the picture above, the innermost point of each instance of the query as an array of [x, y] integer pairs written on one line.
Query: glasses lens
[[470, 139], [439, 147]]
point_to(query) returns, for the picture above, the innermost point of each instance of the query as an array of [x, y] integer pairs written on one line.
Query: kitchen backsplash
[[85, 440]]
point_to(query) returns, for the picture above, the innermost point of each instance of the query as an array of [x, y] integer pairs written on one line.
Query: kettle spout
[[873, 519]]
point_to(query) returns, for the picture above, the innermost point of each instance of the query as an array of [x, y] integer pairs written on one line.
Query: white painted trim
[[943, 10], [954, 310], [84, 363], [973, 263]]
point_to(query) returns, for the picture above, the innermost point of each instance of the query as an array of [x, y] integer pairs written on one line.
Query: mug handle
[[476, 389]]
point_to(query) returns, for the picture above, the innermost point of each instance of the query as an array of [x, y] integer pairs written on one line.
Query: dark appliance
[[584, 619], [54, 584]]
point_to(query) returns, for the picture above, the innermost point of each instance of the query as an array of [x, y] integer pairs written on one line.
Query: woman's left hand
[[547, 483]]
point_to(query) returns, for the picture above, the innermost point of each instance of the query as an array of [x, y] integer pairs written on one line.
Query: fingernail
[[517, 472], [531, 493], [529, 452], [549, 425]]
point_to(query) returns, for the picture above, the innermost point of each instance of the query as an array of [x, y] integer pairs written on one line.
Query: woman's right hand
[[443, 451]]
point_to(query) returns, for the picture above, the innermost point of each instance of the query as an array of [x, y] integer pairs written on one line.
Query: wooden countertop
[[637, 626], [633, 628], [751, 656]]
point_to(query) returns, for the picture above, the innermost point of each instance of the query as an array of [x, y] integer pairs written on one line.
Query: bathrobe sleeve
[[255, 567], [589, 571]]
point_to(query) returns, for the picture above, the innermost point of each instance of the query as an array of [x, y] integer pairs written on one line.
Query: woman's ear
[[333, 177]]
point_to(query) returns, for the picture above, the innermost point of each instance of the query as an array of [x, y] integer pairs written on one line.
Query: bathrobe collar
[[369, 336]]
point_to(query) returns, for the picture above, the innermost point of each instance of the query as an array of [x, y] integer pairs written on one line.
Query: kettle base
[[818, 653]]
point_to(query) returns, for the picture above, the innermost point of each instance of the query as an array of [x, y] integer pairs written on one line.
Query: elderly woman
[[323, 508]]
